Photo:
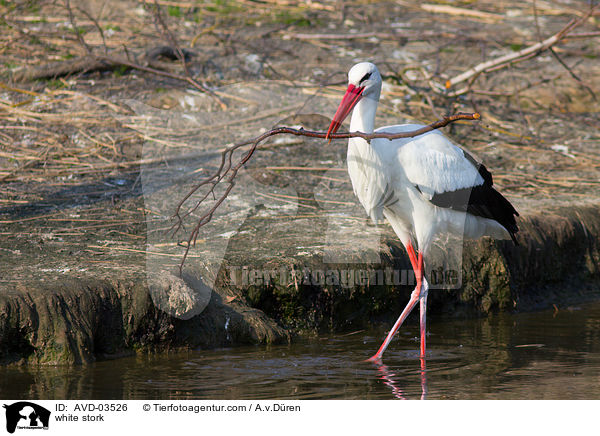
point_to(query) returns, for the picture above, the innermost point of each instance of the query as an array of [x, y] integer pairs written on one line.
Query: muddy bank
[[53, 317], [79, 321]]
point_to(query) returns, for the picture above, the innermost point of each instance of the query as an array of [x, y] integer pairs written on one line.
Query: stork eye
[[365, 77]]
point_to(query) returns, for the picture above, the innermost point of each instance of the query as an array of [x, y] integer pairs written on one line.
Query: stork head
[[364, 80]]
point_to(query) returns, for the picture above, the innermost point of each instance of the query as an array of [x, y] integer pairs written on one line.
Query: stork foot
[[375, 358]]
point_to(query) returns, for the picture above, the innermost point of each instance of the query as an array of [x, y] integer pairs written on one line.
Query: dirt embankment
[[53, 317], [92, 165]]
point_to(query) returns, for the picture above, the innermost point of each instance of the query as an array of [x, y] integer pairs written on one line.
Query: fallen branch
[[106, 62], [472, 13], [227, 170], [521, 55], [64, 68], [363, 35]]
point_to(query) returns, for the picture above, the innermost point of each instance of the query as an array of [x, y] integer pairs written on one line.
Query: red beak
[[352, 96]]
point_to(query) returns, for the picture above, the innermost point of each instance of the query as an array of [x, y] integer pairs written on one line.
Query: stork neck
[[363, 116]]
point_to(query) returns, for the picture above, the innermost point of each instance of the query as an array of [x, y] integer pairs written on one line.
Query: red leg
[[423, 305], [411, 255], [417, 263], [419, 271], [423, 323], [414, 297]]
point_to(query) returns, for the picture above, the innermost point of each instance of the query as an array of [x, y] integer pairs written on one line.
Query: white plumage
[[423, 186]]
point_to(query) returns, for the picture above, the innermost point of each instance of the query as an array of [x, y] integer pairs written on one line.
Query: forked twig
[[227, 170]]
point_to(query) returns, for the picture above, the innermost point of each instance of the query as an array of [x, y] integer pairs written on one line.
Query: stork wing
[[436, 166], [449, 177]]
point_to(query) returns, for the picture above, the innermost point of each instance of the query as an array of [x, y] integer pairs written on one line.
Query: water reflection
[[537, 356], [389, 379]]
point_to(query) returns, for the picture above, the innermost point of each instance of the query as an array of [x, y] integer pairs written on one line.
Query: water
[[545, 355]]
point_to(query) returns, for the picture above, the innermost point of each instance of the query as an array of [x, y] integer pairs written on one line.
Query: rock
[[178, 298]]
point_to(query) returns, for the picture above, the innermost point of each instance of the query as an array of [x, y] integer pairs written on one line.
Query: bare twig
[[182, 57], [572, 74], [97, 24], [451, 10], [582, 35], [169, 35], [76, 28], [227, 170], [537, 22], [363, 35]]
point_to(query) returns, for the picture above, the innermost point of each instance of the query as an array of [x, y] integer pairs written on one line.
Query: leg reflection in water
[[389, 377]]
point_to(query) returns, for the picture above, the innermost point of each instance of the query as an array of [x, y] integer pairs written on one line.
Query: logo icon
[[26, 415]]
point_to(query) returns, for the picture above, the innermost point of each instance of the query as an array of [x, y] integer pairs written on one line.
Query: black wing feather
[[481, 200]]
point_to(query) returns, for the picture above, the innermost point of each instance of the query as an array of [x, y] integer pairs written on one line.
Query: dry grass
[[58, 132]]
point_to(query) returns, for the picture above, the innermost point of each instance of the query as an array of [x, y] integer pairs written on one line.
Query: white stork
[[424, 186]]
